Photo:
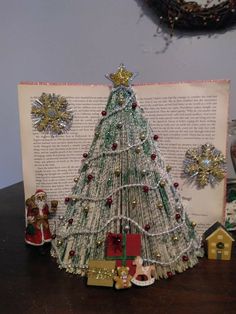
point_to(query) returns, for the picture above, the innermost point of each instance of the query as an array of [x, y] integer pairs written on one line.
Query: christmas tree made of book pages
[[125, 187]]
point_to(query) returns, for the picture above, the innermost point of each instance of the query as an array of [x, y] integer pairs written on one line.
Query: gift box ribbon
[[121, 246]]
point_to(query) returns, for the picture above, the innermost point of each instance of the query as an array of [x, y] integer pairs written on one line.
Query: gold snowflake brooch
[[51, 114], [204, 165]]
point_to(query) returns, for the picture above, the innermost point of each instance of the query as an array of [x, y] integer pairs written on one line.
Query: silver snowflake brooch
[[51, 114], [204, 165]]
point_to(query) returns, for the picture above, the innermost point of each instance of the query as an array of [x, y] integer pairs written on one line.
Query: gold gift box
[[101, 273]]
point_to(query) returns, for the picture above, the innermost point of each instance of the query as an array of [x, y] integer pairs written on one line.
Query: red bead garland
[[114, 146], [155, 137], [153, 156], [85, 155], [145, 189], [147, 227], [177, 216], [72, 253], [90, 177], [185, 258], [109, 201], [67, 199], [134, 105], [70, 221], [169, 274], [104, 113], [176, 184]]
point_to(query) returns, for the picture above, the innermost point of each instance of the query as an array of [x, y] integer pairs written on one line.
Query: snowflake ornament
[[50, 114], [204, 165]]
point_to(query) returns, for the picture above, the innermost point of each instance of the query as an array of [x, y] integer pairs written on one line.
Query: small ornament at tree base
[[37, 231], [51, 114], [204, 165], [101, 273], [123, 278], [145, 271]]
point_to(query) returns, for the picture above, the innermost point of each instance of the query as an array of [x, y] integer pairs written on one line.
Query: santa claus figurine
[[37, 231]]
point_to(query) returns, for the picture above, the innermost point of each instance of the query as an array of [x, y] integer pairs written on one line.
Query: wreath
[[191, 16]]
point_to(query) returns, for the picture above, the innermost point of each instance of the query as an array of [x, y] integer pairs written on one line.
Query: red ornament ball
[[153, 156], [185, 258], [85, 155], [177, 216], [114, 146], [109, 201], [176, 184], [70, 221], [67, 199], [169, 274], [104, 113], [155, 137], [145, 189], [147, 227], [134, 105], [90, 177], [72, 253]]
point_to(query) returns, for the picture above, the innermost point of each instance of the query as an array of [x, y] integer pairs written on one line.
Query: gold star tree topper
[[121, 76]]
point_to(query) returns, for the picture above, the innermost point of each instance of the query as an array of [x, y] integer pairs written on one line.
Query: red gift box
[[123, 248]]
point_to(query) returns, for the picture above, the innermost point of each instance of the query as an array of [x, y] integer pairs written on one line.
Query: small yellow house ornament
[[219, 242]]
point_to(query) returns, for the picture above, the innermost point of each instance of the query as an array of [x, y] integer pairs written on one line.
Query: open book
[[184, 115]]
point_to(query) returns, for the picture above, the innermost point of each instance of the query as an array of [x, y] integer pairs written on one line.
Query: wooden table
[[32, 283]]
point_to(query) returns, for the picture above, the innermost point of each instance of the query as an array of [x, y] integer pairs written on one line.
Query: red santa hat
[[40, 191]]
